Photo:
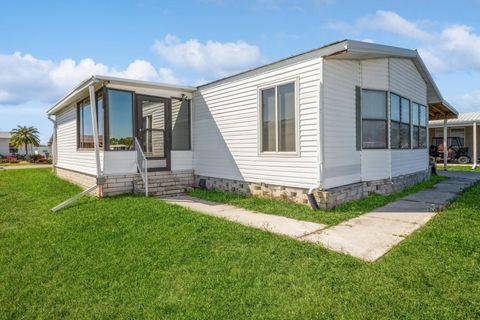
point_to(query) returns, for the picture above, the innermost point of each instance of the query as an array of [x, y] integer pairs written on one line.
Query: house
[[335, 123], [6, 147], [464, 128]]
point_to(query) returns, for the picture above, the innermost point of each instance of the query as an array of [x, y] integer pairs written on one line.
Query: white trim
[[475, 155], [274, 85]]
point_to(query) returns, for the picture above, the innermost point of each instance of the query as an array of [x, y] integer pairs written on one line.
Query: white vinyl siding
[[225, 129], [341, 163], [68, 155], [406, 81]]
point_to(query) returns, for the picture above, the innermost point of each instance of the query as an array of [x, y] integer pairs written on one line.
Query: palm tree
[[24, 136]]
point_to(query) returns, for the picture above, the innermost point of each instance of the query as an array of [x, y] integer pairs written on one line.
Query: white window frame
[[274, 85]]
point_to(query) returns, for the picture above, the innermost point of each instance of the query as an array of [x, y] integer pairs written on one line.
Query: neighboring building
[[464, 127], [341, 121], [6, 147]]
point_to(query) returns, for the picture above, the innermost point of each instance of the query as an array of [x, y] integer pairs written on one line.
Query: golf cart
[[456, 152]]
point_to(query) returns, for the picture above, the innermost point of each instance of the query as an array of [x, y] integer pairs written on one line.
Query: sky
[[47, 47]]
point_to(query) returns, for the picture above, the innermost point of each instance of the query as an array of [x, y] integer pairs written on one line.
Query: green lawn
[[134, 257], [456, 167], [303, 212]]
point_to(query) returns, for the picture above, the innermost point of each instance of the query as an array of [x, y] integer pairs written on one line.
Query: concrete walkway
[[267, 222], [367, 237]]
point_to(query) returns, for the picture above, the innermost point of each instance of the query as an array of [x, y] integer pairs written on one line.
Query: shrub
[[9, 159], [20, 156], [44, 160]]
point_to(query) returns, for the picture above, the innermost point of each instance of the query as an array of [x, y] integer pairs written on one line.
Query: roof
[[465, 118], [344, 49], [5, 135], [98, 80], [358, 50]]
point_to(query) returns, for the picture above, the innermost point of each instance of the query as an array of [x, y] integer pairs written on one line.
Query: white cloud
[[211, 57], [462, 45], [469, 102], [25, 78], [391, 22], [454, 48]]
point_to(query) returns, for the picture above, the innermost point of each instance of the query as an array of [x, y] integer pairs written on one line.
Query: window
[[422, 138], [278, 127], [12, 149], [394, 121], [180, 124], [147, 126], [120, 119], [416, 125], [84, 123], [399, 122], [419, 122], [404, 123], [374, 119]]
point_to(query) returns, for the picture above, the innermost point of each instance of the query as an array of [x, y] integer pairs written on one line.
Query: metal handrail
[[142, 164]]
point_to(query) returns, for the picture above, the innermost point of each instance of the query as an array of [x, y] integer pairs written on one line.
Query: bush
[[20, 156], [44, 161], [9, 159]]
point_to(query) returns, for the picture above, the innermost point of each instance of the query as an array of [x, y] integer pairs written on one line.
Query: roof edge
[[98, 78]]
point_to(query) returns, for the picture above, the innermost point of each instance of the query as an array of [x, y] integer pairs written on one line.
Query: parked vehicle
[[456, 151]]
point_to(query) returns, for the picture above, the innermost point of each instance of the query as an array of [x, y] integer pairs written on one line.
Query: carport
[[466, 124]]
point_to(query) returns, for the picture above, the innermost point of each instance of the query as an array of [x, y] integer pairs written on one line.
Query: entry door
[[153, 130]]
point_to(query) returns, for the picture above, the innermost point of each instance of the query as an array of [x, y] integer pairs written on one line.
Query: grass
[[457, 167], [341, 213], [139, 258]]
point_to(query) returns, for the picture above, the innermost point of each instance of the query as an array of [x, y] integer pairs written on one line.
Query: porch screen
[[180, 124], [120, 120], [84, 123]]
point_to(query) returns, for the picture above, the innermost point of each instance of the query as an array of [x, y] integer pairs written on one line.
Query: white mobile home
[[339, 122]]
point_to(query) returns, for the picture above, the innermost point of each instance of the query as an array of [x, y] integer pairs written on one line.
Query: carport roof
[[464, 118]]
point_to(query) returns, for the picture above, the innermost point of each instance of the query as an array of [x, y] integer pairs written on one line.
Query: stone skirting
[[326, 199], [160, 182], [116, 185], [335, 196], [82, 179]]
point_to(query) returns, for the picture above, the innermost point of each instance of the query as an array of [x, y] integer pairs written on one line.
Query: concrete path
[[27, 166], [370, 236], [367, 237], [272, 223]]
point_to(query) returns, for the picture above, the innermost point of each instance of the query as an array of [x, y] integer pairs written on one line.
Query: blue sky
[[46, 47]]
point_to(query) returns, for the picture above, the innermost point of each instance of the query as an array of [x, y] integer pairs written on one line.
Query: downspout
[[389, 125], [99, 176], [320, 152], [54, 144]]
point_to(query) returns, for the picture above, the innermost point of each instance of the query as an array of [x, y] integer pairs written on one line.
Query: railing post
[[146, 178]]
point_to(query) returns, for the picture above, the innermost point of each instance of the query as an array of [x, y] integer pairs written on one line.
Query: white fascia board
[[83, 86]]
